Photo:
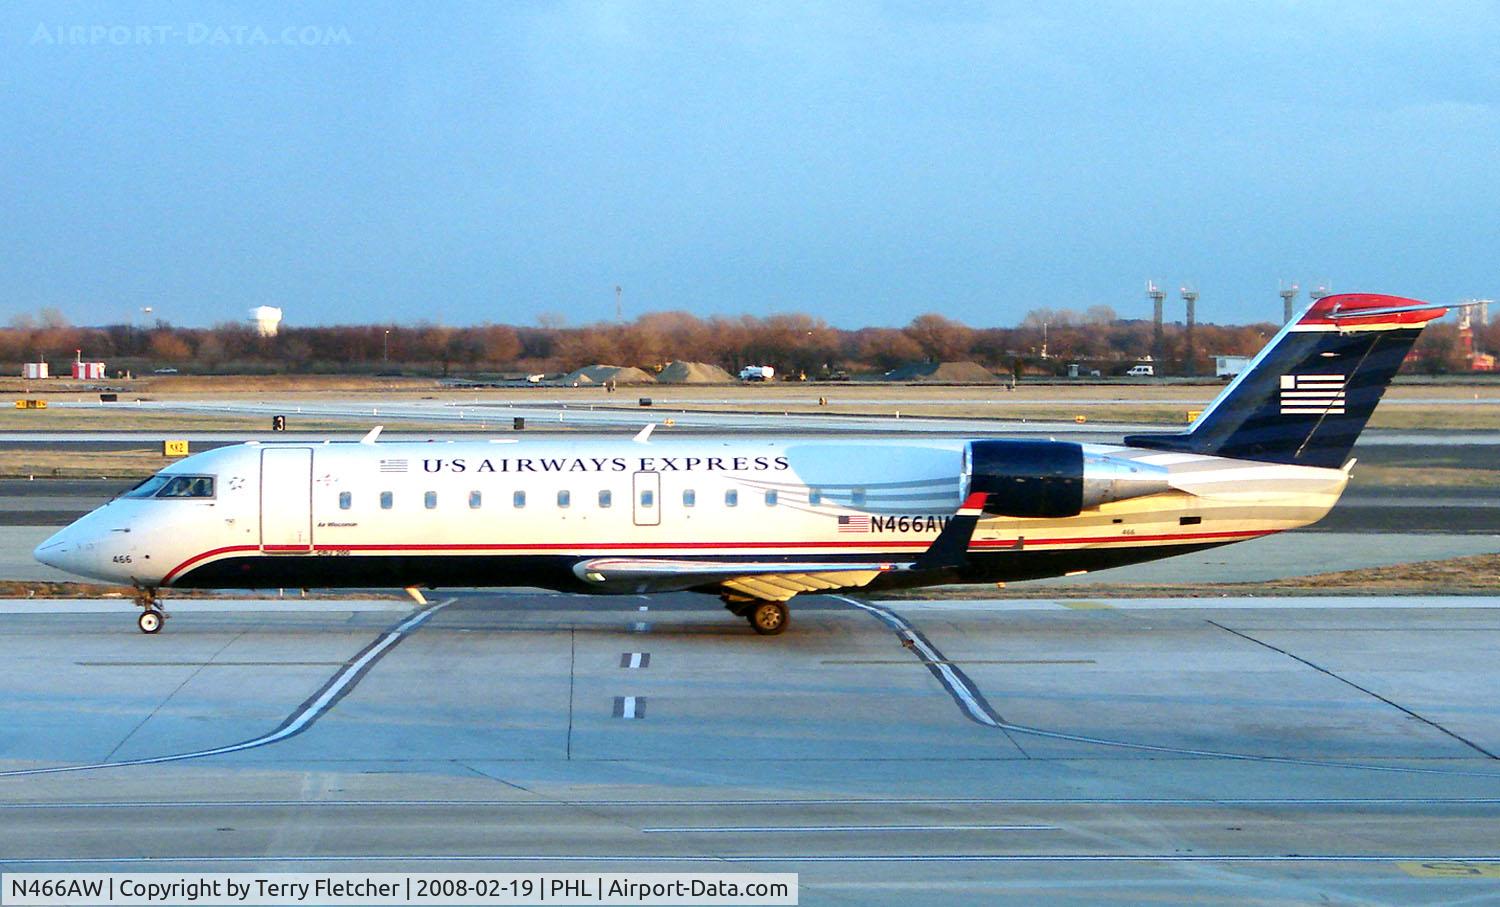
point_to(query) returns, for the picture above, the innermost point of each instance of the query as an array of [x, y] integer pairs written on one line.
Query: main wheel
[[769, 618], [149, 621]]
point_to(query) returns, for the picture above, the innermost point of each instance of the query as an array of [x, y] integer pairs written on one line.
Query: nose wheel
[[152, 617]]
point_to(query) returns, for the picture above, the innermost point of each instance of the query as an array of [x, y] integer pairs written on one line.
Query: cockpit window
[[187, 487], [147, 488]]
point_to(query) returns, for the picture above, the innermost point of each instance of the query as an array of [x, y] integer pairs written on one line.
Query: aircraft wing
[[769, 580], [777, 580]]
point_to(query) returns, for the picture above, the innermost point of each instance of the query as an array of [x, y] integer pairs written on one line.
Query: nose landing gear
[[152, 617]]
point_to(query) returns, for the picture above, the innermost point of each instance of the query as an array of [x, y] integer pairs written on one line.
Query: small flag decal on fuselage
[[1314, 395], [393, 466], [854, 524]]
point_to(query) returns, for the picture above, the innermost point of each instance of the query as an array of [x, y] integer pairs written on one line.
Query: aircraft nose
[[55, 551]]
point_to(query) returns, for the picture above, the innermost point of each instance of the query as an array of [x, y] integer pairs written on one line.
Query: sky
[[861, 162]]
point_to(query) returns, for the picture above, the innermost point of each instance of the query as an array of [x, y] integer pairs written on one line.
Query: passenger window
[[771, 498], [814, 496], [605, 498], [429, 500], [858, 497], [385, 500], [475, 500], [346, 500], [732, 498], [188, 487], [518, 500], [689, 498], [564, 498], [648, 498]]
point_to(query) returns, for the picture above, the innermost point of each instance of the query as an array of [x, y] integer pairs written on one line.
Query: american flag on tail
[[1312, 395]]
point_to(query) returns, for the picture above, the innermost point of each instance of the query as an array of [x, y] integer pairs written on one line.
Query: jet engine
[[1052, 478]]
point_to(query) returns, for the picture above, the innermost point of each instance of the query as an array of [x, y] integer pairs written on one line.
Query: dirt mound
[[694, 373], [599, 374], [943, 373]]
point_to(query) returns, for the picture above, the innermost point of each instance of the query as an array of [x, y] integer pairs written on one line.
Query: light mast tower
[[1288, 296], [1189, 296], [1155, 294]]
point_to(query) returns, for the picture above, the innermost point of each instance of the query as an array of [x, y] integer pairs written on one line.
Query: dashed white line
[[630, 707]]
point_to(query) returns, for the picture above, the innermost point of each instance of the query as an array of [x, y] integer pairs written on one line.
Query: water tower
[[267, 320]]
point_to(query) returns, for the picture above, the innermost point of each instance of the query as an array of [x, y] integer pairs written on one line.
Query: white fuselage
[[520, 512]]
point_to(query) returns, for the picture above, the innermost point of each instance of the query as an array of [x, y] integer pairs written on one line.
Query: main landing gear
[[766, 618], [152, 617]]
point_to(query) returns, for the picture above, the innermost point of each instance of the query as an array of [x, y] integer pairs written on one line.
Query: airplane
[[759, 519]]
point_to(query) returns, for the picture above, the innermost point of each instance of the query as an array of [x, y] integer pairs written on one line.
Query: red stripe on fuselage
[[1003, 544]]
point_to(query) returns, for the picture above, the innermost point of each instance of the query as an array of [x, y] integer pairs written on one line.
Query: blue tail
[[1307, 396]]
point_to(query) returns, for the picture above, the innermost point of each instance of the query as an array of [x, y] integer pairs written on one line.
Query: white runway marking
[[303, 718], [973, 704], [635, 660], [951, 677], [630, 707]]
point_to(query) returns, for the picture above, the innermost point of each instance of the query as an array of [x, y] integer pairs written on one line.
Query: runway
[[1142, 751]]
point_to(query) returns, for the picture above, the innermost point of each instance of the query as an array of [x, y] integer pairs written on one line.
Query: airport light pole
[[1189, 364], [1288, 298], [1158, 345], [385, 352]]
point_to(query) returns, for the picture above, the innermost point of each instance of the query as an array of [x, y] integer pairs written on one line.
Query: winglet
[[371, 435], [951, 547], [644, 435]]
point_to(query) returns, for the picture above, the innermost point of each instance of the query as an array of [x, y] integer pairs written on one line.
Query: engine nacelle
[[1052, 478]]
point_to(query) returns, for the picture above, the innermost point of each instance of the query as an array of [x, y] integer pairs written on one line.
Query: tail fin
[[1307, 396]]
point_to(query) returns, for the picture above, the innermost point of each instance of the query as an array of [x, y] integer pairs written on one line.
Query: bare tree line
[[794, 343]]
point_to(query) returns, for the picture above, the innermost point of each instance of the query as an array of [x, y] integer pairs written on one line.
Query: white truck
[[1229, 366], [757, 373]]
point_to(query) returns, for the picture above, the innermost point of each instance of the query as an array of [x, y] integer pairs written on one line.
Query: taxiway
[[956, 752]]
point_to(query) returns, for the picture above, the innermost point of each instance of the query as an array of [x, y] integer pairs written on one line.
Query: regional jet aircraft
[[757, 520]]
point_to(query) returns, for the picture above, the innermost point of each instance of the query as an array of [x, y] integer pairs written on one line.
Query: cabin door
[[647, 498], [286, 500]]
